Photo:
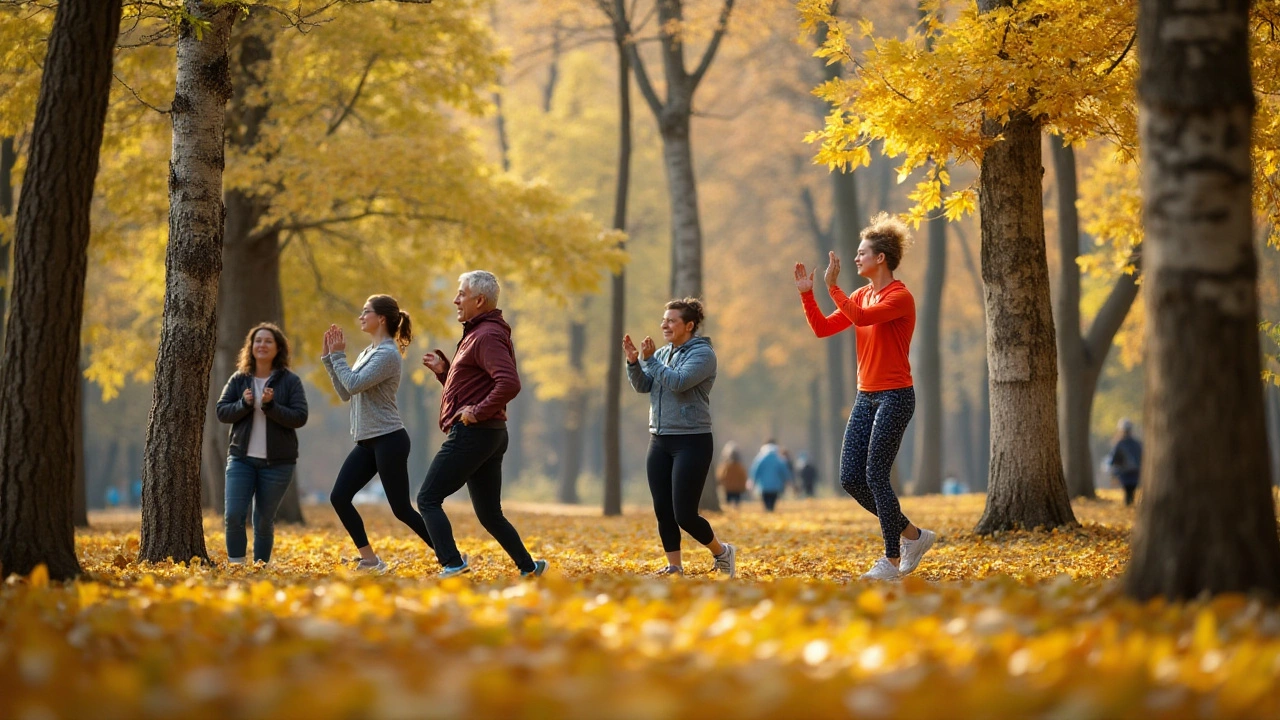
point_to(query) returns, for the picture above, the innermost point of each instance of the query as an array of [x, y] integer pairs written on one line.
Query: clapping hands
[[334, 340], [645, 351]]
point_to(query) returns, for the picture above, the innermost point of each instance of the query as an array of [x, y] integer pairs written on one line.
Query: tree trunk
[[1026, 486], [1273, 416], [7, 160], [618, 301], [1207, 519], [927, 463], [686, 229], [171, 521], [40, 378], [575, 416], [817, 428], [836, 403]]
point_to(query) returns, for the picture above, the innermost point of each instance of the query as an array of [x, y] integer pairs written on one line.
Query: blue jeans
[[262, 483]]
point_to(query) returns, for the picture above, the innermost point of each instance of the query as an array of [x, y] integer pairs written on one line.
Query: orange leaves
[[1017, 624]]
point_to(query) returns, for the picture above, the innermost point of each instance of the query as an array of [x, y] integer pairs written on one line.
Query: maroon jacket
[[483, 372]]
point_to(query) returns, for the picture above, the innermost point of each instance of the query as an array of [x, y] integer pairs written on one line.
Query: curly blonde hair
[[888, 235]]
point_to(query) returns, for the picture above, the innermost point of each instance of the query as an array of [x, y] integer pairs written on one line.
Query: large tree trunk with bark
[[927, 372], [686, 228], [1207, 519], [575, 418], [171, 520], [8, 158], [40, 378], [80, 494], [618, 299], [1026, 487]]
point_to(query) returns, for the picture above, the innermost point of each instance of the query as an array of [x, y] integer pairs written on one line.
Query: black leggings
[[472, 456], [871, 442], [386, 456], [678, 466]]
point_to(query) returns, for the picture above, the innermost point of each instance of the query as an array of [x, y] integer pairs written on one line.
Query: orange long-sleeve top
[[883, 324]]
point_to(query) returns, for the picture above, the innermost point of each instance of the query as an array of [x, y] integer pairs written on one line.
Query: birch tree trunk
[[171, 520], [1207, 518], [40, 378]]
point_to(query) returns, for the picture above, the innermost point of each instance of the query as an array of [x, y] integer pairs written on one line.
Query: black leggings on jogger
[[871, 441], [386, 456], [677, 466]]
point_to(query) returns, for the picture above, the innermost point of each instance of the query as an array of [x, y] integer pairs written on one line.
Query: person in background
[[265, 404], [808, 473], [1125, 459], [732, 474], [770, 474]]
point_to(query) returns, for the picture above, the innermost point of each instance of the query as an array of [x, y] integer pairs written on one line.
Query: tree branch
[[623, 34], [710, 52], [355, 96], [1105, 325], [1132, 38]]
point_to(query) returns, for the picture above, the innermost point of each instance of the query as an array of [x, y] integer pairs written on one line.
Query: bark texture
[[171, 520], [1025, 484], [40, 379], [8, 157], [1206, 521], [575, 418]]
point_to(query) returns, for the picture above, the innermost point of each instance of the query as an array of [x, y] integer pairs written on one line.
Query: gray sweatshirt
[[370, 384], [678, 380]]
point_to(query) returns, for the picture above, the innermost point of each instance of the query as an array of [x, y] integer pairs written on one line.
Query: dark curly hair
[[245, 362], [690, 311]]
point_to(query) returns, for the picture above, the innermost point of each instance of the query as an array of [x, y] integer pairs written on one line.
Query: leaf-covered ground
[[1020, 625]]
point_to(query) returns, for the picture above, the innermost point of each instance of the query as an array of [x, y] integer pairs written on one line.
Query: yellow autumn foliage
[[1024, 624]]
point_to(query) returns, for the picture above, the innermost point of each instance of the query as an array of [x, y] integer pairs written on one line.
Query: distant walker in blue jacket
[[770, 474]]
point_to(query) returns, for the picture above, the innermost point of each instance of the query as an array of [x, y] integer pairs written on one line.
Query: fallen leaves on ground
[[1020, 624]]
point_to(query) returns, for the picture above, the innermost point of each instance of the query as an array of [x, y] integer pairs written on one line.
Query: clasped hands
[[804, 279], [334, 340], [646, 350]]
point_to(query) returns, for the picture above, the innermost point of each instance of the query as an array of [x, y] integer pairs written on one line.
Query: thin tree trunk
[[980, 433], [686, 228], [8, 158], [171, 521], [817, 428], [836, 402], [1207, 519], [40, 375], [1026, 486], [575, 416], [1273, 415], [618, 300], [927, 373]]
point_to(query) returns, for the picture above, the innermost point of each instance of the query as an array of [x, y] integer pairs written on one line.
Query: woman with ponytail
[[382, 444]]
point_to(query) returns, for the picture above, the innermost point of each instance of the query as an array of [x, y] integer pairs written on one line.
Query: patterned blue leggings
[[871, 440]]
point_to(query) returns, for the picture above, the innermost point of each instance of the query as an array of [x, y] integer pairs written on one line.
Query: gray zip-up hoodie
[[678, 380], [370, 384]]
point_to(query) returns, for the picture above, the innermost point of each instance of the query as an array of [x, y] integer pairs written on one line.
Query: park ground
[[1022, 624]]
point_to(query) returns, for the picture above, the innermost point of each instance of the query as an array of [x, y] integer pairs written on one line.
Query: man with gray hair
[[478, 384]]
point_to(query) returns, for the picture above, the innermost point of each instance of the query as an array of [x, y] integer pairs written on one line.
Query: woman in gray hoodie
[[678, 378], [382, 445]]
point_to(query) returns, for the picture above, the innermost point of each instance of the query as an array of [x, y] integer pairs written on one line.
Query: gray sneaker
[[539, 567], [376, 568], [914, 550], [727, 562], [670, 571]]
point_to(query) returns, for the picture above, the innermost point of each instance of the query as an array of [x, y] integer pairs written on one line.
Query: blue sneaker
[[449, 572], [539, 567]]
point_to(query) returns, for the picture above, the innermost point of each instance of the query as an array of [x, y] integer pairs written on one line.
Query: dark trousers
[[770, 500], [1129, 492], [871, 441], [386, 456], [732, 498], [472, 457], [677, 466]]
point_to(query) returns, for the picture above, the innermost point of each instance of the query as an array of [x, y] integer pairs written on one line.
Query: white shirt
[[258, 432]]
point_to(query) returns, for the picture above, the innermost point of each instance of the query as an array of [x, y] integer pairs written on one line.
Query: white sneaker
[[914, 550], [727, 562], [882, 570]]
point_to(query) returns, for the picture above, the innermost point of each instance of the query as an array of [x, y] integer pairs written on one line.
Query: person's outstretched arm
[[895, 305]]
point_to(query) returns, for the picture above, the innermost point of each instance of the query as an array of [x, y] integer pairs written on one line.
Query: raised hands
[[646, 350], [833, 269], [334, 340], [804, 280], [435, 362]]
